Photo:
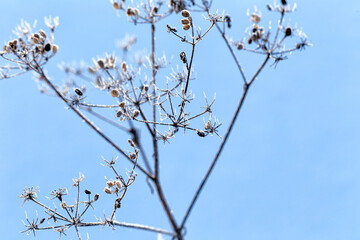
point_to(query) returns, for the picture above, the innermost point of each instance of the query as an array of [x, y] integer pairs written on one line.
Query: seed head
[[87, 191]]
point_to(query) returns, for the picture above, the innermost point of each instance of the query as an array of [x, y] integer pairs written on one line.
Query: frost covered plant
[[139, 100]]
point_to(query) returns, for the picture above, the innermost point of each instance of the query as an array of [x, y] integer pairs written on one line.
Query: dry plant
[[162, 109]]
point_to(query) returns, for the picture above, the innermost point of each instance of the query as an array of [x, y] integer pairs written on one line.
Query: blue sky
[[291, 167]]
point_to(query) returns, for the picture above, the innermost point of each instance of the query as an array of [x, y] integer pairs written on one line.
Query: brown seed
[[186, 27], [54, 48], [135, 113], [42, 33], [185, 21], [109, 184], [185, 13], [63, 205], [116, 5], [122, 104], [124, 66], [118, 114], [115, 93], [132, 156], [96, 197], [100, 63], [107, 190]]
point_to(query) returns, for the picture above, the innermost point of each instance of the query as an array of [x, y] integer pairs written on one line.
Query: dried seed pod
[[129, 12], [227, 19], [42, 220], [200, 133], [185, 13], [119, 114], [255, 18], [47, 47], [124, 66], [87, 191], [91, 70], [116, 5], [122, 104], [135, 113], [117, 203], [183, 57], [288, 31], [136, 12], [96, 197], [283, 2], [146, 88], [118, 184], [208, 125], [186, 27], [36, 36], [240, 46], [54, 48], [131, 142], [78, 92], [109, 184], [155, 9], [115, 93], [35, 40], [63, 205], [100, 63], [132, 156], [185, 21], [107, 190], [42, 33]]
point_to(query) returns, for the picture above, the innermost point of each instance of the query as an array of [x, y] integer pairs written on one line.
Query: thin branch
[[232, 123]]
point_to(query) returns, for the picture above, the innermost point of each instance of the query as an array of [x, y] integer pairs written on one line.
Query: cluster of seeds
[[187, 20]]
